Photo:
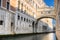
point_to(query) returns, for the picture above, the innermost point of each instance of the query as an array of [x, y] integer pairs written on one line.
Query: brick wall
[[4, 3], [12, 4]]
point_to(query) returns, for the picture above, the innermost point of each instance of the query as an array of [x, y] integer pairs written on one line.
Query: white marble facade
[[14, 25], [22, 26], [7, 18]]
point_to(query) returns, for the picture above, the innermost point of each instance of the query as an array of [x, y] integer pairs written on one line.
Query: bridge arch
[[46, 17]]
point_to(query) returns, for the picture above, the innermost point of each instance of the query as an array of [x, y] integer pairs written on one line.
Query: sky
[[54, 21], [50, 3]]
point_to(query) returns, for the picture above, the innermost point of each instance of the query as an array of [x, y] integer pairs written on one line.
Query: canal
[[48, 36]]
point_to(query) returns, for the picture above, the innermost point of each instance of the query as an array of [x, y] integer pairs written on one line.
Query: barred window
[[44, 27], [24, 19], [21, 18], [1, 22], [18, 17], [0, 2], [8, 5], [27, 20], [11, 23]]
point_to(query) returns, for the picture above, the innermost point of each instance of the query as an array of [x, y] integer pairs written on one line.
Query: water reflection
[[50, 36]]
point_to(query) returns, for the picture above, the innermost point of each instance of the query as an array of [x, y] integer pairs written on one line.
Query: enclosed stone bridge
[[47, 14]]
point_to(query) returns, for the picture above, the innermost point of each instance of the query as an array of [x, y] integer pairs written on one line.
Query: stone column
[[7, 23], [16, 21]]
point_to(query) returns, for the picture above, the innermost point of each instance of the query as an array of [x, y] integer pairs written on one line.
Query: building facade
[[19, 16], [58, 13], [6, 17]]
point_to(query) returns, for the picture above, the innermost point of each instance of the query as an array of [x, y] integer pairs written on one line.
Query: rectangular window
[[11, 23], [24, 19], [0, 2], [44, 27], [24, 11], [4, 4], [29, 25], [27, 20], [1, 22], [8, 5], [18, 5], [12, 27], [21, 18], [36, 6], [21, 11], [18, 17], [21, 7]]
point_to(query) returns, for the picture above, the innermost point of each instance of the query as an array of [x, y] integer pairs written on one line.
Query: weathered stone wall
[[2, 17], [40, 26], [7, 18], [22, 26]]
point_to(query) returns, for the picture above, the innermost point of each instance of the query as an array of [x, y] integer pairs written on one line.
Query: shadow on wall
[[45, 26]]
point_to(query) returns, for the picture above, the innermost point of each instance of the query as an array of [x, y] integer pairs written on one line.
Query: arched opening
[[33, 26], [45, 17], [50, 23]]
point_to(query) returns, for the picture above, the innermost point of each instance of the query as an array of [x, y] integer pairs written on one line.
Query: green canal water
[[48, 36]]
